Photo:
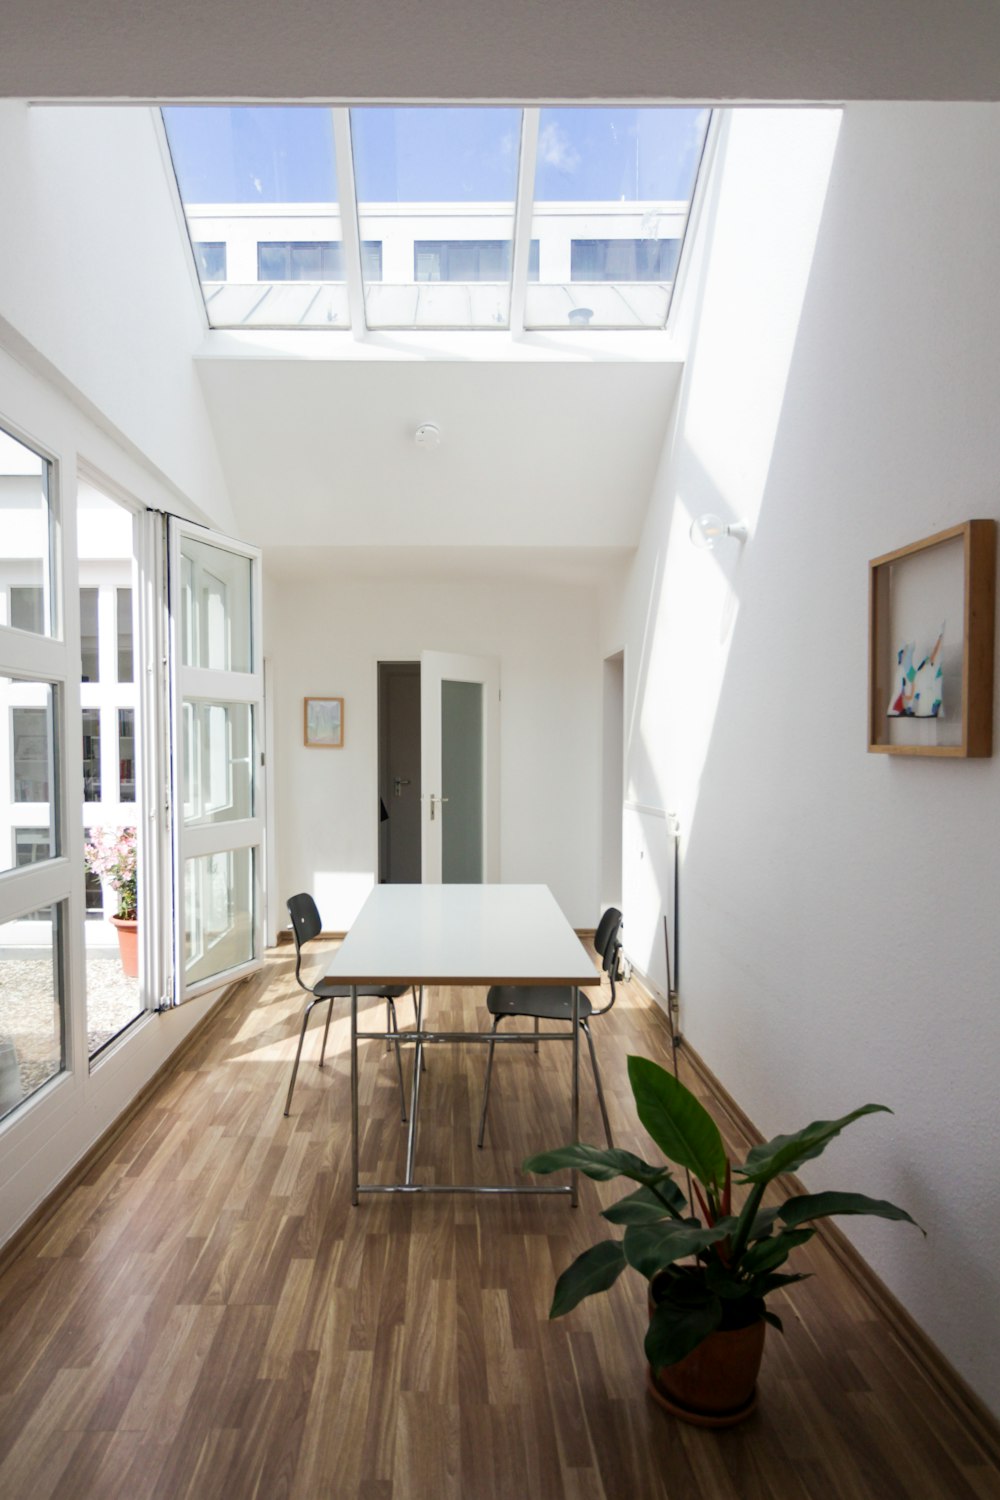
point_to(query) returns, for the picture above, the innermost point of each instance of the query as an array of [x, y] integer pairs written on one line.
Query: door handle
[[398, 784], [433, 800]]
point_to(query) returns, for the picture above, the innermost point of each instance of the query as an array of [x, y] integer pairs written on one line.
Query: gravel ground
[[29, 1018]]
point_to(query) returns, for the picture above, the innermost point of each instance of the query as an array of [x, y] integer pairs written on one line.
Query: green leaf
[[644, 1207], [679, 1323], [773, 1319], [725, 1283], [595, 1270], [650, 1247], [807, 1206], [767, 1254], [682, 1128], [787, 1152], [770, 1281], [763, 1224], [596, 1163]]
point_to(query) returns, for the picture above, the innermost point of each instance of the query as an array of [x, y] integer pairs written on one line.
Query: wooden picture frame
[[959, 563], [323, 723]]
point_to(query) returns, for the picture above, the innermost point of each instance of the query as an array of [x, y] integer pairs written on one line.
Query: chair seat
[[549, 1002], [325, 990]]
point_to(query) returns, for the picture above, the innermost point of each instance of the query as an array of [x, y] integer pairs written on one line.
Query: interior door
[[460, 768], [217, 780]]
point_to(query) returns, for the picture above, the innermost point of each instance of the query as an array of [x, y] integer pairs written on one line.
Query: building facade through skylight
[[412, 217]]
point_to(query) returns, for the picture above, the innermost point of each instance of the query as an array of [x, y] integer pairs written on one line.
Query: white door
[[460, 768], [217, 781]]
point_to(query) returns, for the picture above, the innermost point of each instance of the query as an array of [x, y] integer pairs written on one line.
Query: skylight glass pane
[[259, 188], [436, 189], [613, 188]]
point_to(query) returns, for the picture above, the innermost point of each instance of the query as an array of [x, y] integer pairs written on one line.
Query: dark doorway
[[399, 772]]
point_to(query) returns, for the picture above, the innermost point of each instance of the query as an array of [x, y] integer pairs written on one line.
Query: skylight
[[446, 217]]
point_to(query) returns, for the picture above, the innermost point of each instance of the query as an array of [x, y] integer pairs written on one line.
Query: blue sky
[[280, 153]]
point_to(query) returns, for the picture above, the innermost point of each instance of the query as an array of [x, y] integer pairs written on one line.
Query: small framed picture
[[324, 723]]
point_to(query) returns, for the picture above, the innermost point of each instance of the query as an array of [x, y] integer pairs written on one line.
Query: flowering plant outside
[[111, 854]]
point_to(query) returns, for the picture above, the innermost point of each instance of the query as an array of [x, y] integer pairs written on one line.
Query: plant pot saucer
[[700, 1418]]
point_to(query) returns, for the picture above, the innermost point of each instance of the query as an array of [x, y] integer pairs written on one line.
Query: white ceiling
[[450, 49], [549, 454]]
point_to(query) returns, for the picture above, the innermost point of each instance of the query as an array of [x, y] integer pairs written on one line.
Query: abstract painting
[[918, 689]]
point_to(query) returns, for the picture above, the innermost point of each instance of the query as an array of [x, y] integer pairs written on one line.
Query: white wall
[[838, 939], [95, 277], [324, 636]]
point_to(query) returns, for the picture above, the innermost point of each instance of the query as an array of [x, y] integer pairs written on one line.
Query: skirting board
[[977, 1419], [36, 1221]]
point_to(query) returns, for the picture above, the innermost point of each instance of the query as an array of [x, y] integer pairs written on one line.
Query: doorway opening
[[399, 847], [612, 779]]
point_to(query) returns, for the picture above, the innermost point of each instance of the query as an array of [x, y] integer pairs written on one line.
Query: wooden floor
[[207, 1316]]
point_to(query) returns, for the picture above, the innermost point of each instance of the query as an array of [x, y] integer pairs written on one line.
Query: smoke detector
[[427, 435]]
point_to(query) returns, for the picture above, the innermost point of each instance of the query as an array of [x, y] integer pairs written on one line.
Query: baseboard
[[960, 1398], [36, 1221], [285, 935]]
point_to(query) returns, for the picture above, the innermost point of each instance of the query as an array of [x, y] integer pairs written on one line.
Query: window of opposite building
[[467, 260], [313, 260], [624, 260]]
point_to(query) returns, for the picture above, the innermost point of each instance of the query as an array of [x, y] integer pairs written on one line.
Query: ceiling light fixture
[[427, 435], [707, 531]]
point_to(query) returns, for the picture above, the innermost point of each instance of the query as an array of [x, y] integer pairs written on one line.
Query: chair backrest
[[608, 927], [609, 931], [306, 924]]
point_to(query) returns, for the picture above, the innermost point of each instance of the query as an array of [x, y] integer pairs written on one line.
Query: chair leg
[[486, 1084], [326, 1033], [388, 1022], [298, 1053], [537, 1030], [597, 1079], [391, 1015]]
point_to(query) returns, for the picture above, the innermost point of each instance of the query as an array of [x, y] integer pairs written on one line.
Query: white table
[[459, 934]]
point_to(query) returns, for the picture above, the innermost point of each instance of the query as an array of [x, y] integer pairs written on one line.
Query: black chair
[[306, 925], [546, 1002]]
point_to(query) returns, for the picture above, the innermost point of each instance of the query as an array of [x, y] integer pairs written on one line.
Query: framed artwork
[[930, 645], [324, 723]]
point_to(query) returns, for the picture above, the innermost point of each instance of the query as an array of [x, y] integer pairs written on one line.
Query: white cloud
[[556, 150]]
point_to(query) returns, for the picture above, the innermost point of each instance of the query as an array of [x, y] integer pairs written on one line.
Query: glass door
[[460, 784], [217, 713]]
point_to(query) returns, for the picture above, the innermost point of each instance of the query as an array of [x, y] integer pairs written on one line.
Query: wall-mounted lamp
[[427, 435], [707, 531]]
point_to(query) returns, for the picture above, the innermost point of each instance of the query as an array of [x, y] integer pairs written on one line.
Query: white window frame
[[214, 685]]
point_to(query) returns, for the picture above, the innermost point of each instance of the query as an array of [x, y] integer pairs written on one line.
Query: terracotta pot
[[128, 945], [716, 1384]]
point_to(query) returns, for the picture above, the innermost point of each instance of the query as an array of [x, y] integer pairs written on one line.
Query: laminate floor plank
[[206, 1315]]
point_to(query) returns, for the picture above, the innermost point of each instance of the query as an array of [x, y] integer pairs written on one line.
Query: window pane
[[25, 547], [215, 608], [445, 179], [30, 738], [218, 913], [27, 607], [30, 846], [91, 755], [31, 1019], [256, 181], [89, 644], [462, 782], [218, 781], [613, 188], [125, 635], [126, 755], [210, 258]]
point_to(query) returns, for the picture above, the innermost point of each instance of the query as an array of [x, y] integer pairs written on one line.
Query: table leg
[[575, 1124], [354, 1094], [411, 1135]]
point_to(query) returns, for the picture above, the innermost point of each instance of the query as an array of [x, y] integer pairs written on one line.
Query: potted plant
[[709, 1274], [111, 854]]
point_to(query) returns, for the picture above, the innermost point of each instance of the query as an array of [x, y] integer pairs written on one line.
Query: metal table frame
[[420, 959]]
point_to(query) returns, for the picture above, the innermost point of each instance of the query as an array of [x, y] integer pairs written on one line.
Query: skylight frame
[[351, 291]]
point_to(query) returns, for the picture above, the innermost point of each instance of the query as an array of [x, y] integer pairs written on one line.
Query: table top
[[462, 934]]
